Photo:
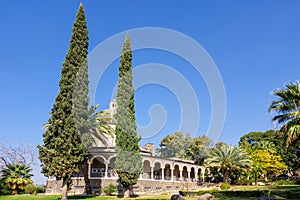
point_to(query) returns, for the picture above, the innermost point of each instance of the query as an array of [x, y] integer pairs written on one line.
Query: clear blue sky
[[255, 44]]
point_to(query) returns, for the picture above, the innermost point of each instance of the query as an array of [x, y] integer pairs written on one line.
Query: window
[[98, 170]]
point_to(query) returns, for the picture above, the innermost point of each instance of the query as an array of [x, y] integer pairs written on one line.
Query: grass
[[278, 191]]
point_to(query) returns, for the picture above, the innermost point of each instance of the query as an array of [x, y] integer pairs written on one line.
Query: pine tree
[[63, 152], [83, 115], [128, 161]]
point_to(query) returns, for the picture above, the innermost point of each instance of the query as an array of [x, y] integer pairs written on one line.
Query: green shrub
[[40, 189], [243, 182], [30, 189], [225, 194], [297, 181], [4, 190], [285, 182], [110, 189], [225, 186]]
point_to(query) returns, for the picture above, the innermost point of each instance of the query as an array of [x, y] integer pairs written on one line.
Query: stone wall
[[142, 186]]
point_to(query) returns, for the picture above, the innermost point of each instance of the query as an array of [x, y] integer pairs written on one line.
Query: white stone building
[[158, 175]]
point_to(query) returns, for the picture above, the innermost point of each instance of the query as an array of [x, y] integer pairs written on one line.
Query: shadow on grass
[[80, 197], [287, 187]]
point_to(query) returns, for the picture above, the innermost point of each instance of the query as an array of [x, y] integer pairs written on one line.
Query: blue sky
[[255, 45]]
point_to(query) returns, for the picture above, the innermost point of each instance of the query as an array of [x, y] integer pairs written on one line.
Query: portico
[[154, 168]]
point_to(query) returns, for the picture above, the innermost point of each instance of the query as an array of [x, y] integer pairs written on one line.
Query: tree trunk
[[131, 193], [14, 192], [126, 192], [266, 178], [64, 195], [85, 171], [255, 178], [225, 177]]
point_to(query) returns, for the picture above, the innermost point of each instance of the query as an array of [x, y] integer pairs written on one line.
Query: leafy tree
[[265, 163], [198, 149], [287, 111], [290, 155], [63, 153], [128, 160], [174, 145], [183, 146], [254, 137], [228, 159], [16, 177], [270, 142]]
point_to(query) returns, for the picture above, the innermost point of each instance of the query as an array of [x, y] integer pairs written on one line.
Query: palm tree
[[98, 129], [16, 177], [228, 159], [287, 109]]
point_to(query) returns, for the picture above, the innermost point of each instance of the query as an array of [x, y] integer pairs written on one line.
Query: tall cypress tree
[[63, 153], [128, 160]]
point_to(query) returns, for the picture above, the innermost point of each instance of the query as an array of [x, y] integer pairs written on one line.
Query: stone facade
[[159, 174]]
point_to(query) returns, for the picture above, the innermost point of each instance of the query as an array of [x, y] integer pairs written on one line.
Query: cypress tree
[[128, 160], [63, 152]]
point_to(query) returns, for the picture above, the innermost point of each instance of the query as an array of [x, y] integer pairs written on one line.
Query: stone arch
[[110, 158], [98, 166], [192, 174], [167, 171], [176, 172], [98, 156], [111, 171], [146, 169], [200, 174], [147, 159], [167, 163], [157, 171], [185, 173]]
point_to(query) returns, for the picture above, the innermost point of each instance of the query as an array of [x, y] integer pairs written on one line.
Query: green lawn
[[280, 192]]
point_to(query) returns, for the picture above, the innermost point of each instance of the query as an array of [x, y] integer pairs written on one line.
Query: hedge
[[218, 193]]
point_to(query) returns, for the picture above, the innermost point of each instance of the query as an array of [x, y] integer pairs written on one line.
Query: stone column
[[106, 170], [189, 176], [172, 174], [180, 174], [89, 169], [202, 172], [152, 173], [196, 176], [162, 173], [141, 175]]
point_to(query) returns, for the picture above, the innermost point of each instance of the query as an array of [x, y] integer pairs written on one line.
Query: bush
[[243, 182], [4, 190], [40, 189], [30, 189], [225, 194], [225, 186], [110, 189], [293, 194], [285, 182]]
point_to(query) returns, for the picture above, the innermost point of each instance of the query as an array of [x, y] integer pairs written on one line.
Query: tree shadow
[[80, 197]]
